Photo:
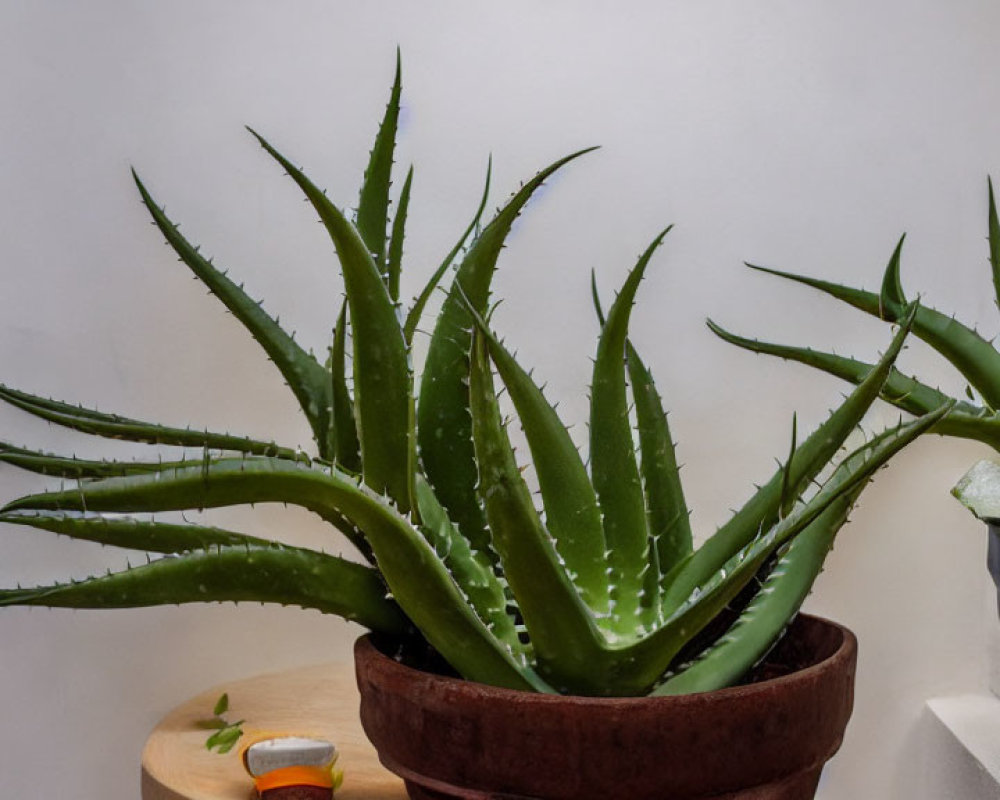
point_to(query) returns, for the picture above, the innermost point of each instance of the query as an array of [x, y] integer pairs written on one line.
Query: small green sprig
[[226, 734]]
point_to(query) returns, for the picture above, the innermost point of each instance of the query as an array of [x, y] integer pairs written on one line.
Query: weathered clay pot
[[767, 740]]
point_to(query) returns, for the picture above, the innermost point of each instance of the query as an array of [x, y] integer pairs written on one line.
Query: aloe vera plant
[[598, 592], [973, 417]]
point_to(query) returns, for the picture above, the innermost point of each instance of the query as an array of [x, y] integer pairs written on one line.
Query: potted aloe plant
[[976, 358], [515, 650]]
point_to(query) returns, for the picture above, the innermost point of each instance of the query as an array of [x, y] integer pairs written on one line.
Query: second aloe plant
[[974, 416]]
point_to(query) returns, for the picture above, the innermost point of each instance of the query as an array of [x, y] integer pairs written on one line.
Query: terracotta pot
[[766, 740]]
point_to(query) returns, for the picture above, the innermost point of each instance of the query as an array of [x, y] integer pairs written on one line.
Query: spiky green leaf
[[965, 420], [373, 205], [444, 428], [394, 264], [891, 299], [131, 533], [782, 592], [572, 515], [382, 382], [994, 240], [761, 511], [787, 498], [649, 657], [344, 434], [305, 376], [114, 426], [613, 465], [73, 467], [472, 571], [413, 317], [969, 352], [272, 574], [416, 576], [666, 509], [563, 632]]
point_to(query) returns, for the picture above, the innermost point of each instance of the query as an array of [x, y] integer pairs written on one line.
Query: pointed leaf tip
[[891, 298]]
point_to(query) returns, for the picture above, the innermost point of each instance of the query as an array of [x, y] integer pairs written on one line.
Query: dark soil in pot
[[764, 740]]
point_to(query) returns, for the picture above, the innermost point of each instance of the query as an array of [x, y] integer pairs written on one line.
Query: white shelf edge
[[974, 720]]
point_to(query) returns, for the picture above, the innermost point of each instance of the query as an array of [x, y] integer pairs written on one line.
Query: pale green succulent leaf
[[666, 509], [271, 574], [444, 427], [373, 205], [305, 376], [130, 533], [969, 352], [73, 467], [903, 391], [472, 571], [382, 381], [892, 299], [782, 592], [114, 426], [413, 317], [994, 240], [345, 447], [649, 658], [394, 263], [416, 576], [572, 515], [613, 465], [761, 511], [567, 645]]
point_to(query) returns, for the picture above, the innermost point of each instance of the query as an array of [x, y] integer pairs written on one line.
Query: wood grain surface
[[320, 701]]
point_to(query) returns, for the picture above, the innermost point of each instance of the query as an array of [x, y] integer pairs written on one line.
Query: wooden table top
[[320, 701]]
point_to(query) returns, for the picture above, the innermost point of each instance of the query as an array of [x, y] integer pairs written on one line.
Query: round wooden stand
[[321, 701]]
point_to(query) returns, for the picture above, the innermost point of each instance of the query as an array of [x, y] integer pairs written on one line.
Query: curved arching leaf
[[644, 662], [373, 205], [415, 312], [567, 644], [444, 428], [152, 536], [305, 376], [761, 511], [382, 381], [394, 261], [613, 465], [415, 574], [969, 352], [271, 574], [114, 426], [572, 515]]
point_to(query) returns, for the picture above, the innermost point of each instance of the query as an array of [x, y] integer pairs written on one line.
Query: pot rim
[[845, 650]]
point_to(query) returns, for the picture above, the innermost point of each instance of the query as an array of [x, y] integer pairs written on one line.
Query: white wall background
[[803, 135]]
